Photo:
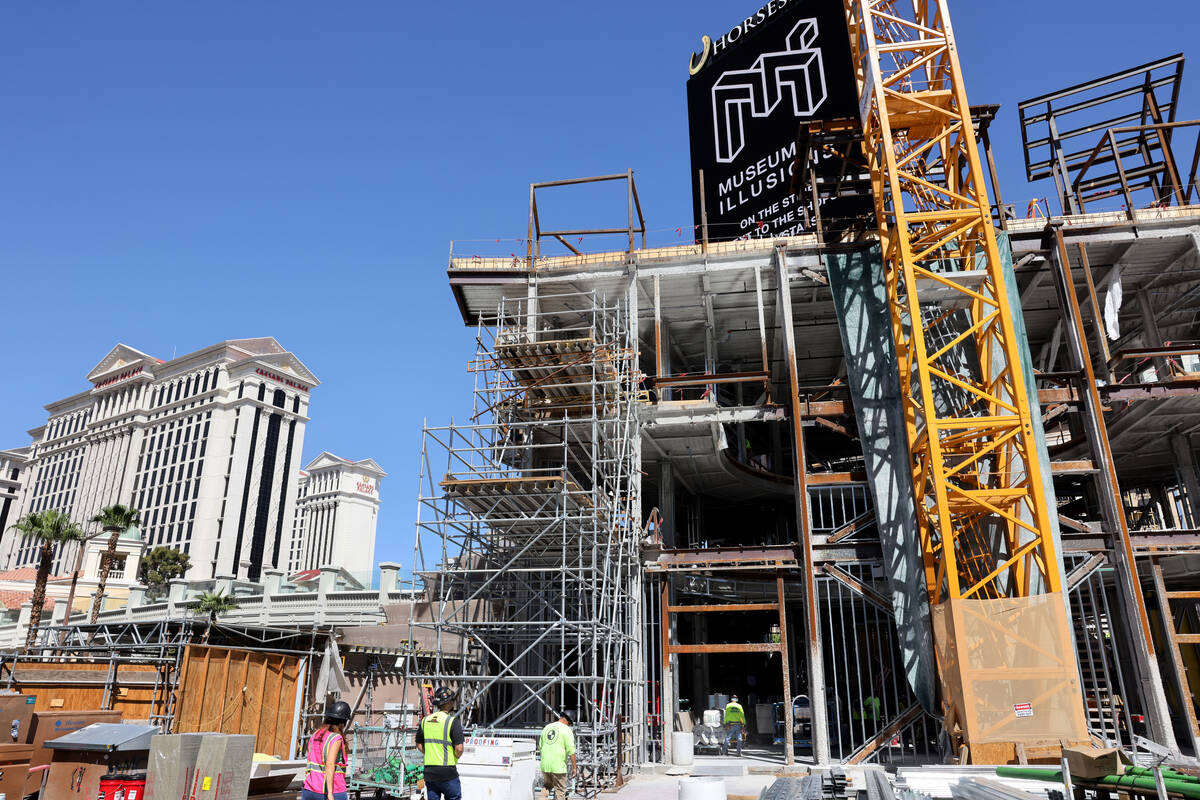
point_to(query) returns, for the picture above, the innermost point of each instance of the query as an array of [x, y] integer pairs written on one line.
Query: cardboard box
[[16, 716], [1095, 762], [223, 767], [172, 765], [14, 768], [49, 725], [75, 775]]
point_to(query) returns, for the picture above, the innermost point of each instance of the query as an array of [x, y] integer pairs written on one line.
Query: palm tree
[[212, 604], [51, 528], [114, 520]]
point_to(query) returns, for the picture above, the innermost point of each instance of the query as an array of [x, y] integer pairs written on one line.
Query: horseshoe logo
[[693, 66]]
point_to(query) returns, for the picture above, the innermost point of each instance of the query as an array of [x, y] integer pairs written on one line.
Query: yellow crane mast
[[992, 569]]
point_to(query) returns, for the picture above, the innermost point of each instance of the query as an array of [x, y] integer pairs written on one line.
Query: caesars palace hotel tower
[[206, 446]]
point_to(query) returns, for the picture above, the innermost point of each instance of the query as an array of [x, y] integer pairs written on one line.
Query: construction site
[[907, 471]]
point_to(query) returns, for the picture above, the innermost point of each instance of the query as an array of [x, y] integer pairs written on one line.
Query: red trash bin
[[122, 787]]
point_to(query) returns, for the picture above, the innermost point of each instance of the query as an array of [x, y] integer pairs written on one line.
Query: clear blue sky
[[174, 174]]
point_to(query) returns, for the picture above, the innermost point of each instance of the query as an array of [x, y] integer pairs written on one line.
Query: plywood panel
[[239, 691], [80, 686]]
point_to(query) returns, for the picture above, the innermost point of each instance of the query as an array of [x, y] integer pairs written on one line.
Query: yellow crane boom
[[992, 569]]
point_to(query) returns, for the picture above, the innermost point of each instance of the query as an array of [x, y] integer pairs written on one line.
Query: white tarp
[[1112, 304]]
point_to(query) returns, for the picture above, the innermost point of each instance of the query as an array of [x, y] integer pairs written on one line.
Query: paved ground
[[666, 787], [744, 777]]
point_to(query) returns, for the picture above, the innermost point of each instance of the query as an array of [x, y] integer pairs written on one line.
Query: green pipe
[[1170, 774], [1187, 788]]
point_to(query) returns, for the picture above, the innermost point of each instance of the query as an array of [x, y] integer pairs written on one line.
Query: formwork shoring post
[[1130, 601]]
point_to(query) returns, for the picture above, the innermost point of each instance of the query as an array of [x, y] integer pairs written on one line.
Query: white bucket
[[683, 748], [705, 788]]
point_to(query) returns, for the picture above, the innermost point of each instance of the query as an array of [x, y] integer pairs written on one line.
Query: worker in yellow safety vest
[[735, 724], [440, 739]]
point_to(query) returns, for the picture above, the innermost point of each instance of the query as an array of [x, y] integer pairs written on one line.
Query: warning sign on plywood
[[1023, 709]]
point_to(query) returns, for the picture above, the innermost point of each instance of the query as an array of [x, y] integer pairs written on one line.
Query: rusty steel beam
[[785, 668], [855, 585], [737, 647], [1130, 598], [703, 380], [706, 609], [1178, 669], [852, 527], [816, 657], [907, 716]]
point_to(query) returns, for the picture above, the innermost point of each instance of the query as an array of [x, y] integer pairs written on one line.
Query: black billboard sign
[[749, 92]]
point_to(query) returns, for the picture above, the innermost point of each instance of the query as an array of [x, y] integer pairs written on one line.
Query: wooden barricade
[[239, 691]]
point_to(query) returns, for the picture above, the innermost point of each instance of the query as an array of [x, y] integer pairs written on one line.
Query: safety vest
[[321, 751], [439, 750]]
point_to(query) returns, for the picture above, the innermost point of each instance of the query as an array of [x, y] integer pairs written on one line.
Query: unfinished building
[[687, 472]]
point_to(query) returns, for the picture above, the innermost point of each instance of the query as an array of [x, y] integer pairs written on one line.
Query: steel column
[[1131, 601], [816, 659]]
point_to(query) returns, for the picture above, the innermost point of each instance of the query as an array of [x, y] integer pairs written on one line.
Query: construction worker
[[440, 739], [735, 725], [326, 775], [556, 745]]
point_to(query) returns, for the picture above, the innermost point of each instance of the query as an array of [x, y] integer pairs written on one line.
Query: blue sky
[[175, 174]]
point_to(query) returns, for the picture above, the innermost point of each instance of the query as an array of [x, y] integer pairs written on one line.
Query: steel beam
[[816, 660], [1129, 594]]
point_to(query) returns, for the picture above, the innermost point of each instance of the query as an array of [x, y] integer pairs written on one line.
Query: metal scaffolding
[[527, 531]]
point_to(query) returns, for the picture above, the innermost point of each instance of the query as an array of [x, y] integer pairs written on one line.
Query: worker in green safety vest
[[440, 739], [735, 724], [556, 745]]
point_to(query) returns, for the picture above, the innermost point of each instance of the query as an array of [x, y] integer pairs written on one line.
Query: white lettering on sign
[[715, 48], [1023, 709], [797, 73]]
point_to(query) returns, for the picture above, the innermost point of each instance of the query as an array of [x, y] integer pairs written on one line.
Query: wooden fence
[[240, 691]]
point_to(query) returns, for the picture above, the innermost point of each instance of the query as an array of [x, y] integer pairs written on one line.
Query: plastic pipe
[[1187, 788]]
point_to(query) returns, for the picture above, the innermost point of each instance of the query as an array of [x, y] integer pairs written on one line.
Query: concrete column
[[210, 525], [137, 596], [667, 367], [1151, 337], [1185, 467], [23, 619], [272, 579], [325, 583], [177, 587], [666, 504], [59, 615], [389, 580], [129, 473], [223, 584], [531, 318]]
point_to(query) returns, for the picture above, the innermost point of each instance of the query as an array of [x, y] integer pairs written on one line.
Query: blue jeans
[[449, 790], [736, 733], [309, 794]]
